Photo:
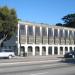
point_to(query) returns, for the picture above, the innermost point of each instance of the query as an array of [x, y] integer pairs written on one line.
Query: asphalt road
[[56, 68], [30, 58]]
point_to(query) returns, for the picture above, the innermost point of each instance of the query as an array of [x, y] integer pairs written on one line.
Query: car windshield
[[6, 50]]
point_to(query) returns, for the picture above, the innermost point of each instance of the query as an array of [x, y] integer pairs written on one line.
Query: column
[[68, 38], [26, 50], [34, 33], [68, 49], [73, 37], [58, 36], [73, 48], [18, 49], [41, 34], [64, 37], [52, 50], [63, 50], [33, 50], [18, 40], [47, 36], [58, 50], [46, 50], [41, 50], [53, 31], [26, 33], [53, 36]]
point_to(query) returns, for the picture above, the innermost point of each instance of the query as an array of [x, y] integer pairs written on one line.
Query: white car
[[6, 53]]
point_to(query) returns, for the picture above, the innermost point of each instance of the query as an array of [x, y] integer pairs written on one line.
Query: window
[[50, 50], [44, 31], [30, 30], [6, 50], [70, 34], [55, 50], [37, 31], [50, 32], [74, 34], [55, 32], [22, 30], [61, 33], [66, 34]]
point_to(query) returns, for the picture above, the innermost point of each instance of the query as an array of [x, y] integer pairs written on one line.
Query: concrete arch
[[43, 50], [49, 50], [61, 50], [22, 51], [66, 49], [70, 49], [30, 50], [56, 50], [37, 50]]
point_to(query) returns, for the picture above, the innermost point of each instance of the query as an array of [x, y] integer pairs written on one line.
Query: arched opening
[[37, 51], [61, 50], [66, 49], [30, 50], [50, 50], [70, 49], [55, 50], [22, 51], [43, 51], [74, 49]]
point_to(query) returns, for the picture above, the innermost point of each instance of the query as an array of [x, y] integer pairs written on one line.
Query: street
[[47, 68]]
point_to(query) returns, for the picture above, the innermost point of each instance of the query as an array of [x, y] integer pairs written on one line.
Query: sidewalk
[[32, 59]]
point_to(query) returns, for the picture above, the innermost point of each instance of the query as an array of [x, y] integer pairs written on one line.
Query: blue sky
[[41, 11]]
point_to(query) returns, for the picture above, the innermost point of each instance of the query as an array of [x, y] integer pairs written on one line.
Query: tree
[[8, 22], [59, 24], [69, 20]]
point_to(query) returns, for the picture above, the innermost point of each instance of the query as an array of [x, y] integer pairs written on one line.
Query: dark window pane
[[55, 32], [22, 30], [50, 32], [70, 34], [44, 31], [37, 31], [30, 30], [66, 34], [61, 33]]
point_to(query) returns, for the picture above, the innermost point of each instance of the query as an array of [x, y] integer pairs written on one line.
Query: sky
[[41, 11]]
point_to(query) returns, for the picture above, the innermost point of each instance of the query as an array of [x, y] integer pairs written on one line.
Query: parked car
[[70, 54], [6, 53]]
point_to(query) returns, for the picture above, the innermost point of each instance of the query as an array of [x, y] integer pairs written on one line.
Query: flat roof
[[45, 25]]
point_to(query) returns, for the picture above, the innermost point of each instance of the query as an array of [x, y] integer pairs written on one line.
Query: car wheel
[[10, 57]]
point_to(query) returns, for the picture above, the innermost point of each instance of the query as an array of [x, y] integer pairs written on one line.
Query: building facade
[[43, 39]]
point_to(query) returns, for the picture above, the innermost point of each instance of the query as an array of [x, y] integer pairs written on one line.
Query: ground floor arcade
[[43, 50]]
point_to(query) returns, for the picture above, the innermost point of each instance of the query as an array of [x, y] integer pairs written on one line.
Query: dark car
[[70, 54]]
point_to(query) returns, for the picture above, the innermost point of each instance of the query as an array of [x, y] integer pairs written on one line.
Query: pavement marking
[[46, 65], [39, 73], [13, 63]]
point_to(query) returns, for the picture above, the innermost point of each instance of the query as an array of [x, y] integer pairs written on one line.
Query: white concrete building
[[43, 39]]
